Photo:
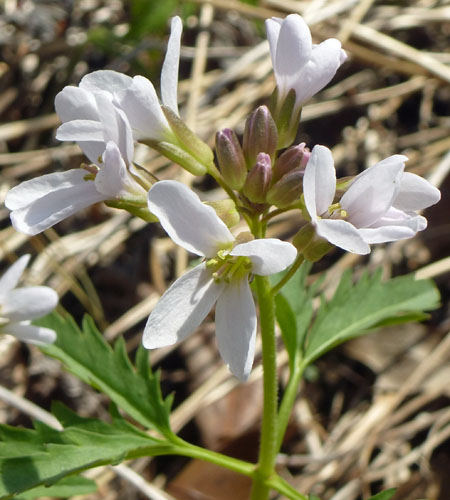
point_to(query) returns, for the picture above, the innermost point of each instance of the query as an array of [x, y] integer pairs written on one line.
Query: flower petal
[[182, 308], [74, 103], [342, 234], [416, 193], [142, 107], [12, 275], [29, 303], [319, 70], [191, 224], [113, 178], [319, 181], [105, 81], [294, 47], [169, 73], [273, 27], [236, 327], [36, 335], [115, 126], [26, 192], [49, 203], [372, 192], [383, 234], [268, 256], [81, 130]]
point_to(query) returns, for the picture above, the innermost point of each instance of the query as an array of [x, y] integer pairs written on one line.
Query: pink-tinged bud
[[260, 135], [294, 157], [258, 179], [231, 159], [286, 190], [226, 210]]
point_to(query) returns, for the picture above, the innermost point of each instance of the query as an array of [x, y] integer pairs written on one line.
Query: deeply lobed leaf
[[43, 456], [86, 354]]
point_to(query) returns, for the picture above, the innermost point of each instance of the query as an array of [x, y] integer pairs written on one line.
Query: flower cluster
[[18, 306], [265, 174]]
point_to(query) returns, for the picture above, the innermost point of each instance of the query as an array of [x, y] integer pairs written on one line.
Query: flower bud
[[294, 157], [258, 179], [231, 159], [260, 135], [226, 210], [286, 190]]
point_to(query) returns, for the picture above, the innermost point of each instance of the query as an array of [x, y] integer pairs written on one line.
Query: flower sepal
[[188, 140], [135, 206], [310, 244], [226, 211], [286, 116], [178, 155]]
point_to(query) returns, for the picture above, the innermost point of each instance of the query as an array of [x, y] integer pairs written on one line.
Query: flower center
[[336, 210], [225, 267]]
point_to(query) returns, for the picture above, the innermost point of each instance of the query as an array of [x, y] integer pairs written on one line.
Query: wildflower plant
[[240, 271]]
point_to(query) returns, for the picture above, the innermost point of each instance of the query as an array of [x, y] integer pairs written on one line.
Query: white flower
[[136, 97], [298, 63], [379, 206], [222, 277], [40, 203], [18, 306]]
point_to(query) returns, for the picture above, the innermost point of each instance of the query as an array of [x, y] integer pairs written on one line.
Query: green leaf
[[67, 487], [294, 310], [87, 355], [43, 456], [384, 495], [370, 303]]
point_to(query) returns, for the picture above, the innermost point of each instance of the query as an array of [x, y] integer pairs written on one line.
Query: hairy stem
[[268, 446]]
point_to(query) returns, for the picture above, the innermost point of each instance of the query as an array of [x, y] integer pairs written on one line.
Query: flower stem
[[297, 263], [268, 446]]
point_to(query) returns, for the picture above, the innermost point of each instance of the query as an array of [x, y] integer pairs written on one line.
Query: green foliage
[[353, 310], [149, 17], [384, 495], [87, 355], [69, 486], [356, 308], [43, 455], [294, 310]]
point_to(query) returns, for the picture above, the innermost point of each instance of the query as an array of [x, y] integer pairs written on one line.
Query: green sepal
[[286, 116], [188, 139], [178, 155], [140, 211]]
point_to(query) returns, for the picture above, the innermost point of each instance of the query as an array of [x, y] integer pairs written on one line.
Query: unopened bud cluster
[[254, 171]]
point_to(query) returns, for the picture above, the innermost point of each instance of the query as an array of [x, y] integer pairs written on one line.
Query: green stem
[[288, 401], [283, 487], [293, 269], [183, 448], [279, 211], [213, 172], [268, 446]]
